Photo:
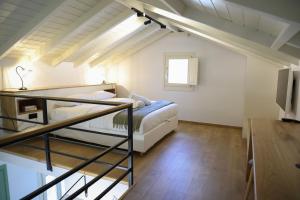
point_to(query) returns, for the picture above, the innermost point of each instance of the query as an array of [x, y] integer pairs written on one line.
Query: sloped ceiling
[[90, 31]]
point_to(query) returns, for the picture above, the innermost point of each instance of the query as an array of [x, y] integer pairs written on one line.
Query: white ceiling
[[241, 16], [82, 30]]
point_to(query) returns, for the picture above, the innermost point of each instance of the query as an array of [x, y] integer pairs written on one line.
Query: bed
[[153, 127]]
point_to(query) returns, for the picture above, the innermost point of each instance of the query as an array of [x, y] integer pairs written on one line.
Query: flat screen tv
[[284, 89]]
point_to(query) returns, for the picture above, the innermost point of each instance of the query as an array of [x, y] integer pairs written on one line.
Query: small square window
[[181, 70], [178, 71]]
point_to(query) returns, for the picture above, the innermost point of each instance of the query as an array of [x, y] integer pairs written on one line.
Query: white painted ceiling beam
[[29, 27], [221, 37], [285, 35], [75, 26], [101, 45], [88, 40], [283, 59], [133, 41], [171, 5], [141, 45], [219, 23], [241, 45]]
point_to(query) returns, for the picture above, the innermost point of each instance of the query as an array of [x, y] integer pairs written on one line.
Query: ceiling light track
[[150, 19]]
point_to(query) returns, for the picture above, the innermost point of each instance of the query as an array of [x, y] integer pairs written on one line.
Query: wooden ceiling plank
[[251, 19], [224, 38], [221, 9], [134, 40], [174, 5], [107, 43], [274, 57], [236, 14], [209, 7], [29, 27], [78, 24], [91, 37], [285, 35], [143, 44], [284, 9]]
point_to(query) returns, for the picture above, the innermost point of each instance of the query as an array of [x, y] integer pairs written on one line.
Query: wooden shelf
[[15, 108], [274, 148], [15, 90], [32, 111], [22, 103]]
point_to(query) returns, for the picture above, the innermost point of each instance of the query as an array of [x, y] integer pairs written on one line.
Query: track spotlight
[[150, 19], [147, 22], [138, 13]]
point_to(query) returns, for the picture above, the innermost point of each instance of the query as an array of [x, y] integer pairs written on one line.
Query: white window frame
[[176, 86], [58, 187]]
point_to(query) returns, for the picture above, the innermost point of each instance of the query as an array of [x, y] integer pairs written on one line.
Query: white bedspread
[[105, 123]]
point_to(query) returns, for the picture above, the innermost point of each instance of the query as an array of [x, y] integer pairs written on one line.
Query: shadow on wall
[[122, 91]]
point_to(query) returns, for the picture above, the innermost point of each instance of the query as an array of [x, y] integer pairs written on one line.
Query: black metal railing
[[45, 129], [84, 181]]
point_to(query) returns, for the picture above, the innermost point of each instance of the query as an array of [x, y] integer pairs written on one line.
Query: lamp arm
[[20, 75]]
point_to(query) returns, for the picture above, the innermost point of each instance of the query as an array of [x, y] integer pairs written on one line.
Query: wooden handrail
[[62, 99], [40, 130], [14, 90]]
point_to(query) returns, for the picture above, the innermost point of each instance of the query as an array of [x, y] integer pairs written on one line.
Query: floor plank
[[196, 162]]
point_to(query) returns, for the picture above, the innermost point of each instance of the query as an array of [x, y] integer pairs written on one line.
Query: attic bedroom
[[149, 99]]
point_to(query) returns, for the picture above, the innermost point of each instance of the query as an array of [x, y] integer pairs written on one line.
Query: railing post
[[130, 145], [46, 136], [85, 191]]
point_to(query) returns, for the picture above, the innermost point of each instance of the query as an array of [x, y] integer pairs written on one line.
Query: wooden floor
[[195, 162]]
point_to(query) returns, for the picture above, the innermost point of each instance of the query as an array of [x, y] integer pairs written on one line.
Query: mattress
[[105, 123]]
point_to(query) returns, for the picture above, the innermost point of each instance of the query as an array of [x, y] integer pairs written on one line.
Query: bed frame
[[141, 142]]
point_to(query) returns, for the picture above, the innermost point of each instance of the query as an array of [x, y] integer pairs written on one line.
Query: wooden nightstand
[[21, 108]]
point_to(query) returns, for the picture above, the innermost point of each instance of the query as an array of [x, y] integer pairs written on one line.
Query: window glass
[[51, 193], [178, 71]]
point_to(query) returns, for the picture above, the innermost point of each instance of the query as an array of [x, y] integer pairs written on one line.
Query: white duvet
[[105, 123]]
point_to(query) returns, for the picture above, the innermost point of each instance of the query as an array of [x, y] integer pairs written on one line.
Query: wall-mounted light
[[150, 19], [18, 68]]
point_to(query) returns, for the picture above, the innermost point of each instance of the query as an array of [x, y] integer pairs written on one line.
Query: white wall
[[21, 181], [44, 75], [219, 97], [232, 87], [260, 87]]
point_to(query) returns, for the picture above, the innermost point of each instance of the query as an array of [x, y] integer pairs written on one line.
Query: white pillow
[[74, 96], [100, 95], [140, 98], [139, 104], [65, 104], [135, 104]]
